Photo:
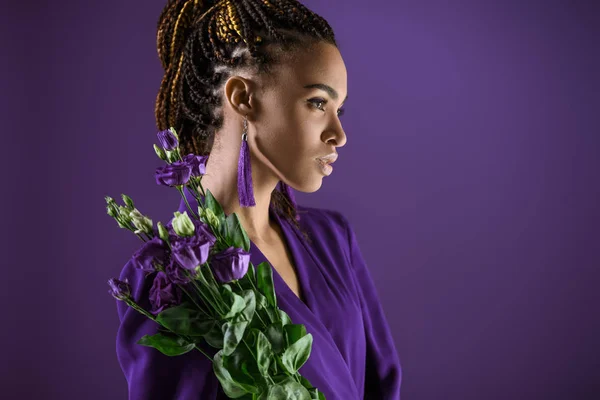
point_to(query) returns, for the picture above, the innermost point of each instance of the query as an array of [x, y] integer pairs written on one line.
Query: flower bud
[[124, 214], [211, 218], [174, 132], [127, 200], [141, 222], [168, 139], [112, 211], [182, 224], [171, 156], [120, 290], [163, 233], [160, 153]]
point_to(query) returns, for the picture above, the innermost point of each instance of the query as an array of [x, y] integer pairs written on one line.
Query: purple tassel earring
[[244, 181]]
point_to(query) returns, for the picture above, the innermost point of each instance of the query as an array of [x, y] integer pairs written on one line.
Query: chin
[[310, 187], [307, 186]]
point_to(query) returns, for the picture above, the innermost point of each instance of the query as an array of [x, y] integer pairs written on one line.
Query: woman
[[259, 86]]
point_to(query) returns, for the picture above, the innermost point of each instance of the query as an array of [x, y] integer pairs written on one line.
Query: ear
[[239, 92]]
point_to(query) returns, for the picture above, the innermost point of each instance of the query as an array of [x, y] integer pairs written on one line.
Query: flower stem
[[180, 189], [136, 307], [215, 304], [201, 351], [193, 301]]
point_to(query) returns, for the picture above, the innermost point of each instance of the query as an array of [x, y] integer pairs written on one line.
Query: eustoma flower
[[175, 174], [120, 290], [167, 140], [153, 251], [197, 164], [230, 264], [163, 293], [192, 249]]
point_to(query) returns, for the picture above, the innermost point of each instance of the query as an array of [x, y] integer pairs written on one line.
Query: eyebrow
[[331, 91]]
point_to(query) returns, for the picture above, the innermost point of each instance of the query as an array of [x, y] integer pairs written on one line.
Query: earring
[[288, 192], [244, 179]]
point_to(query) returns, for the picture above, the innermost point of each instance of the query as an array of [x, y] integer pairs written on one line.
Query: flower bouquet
[[206, 290]]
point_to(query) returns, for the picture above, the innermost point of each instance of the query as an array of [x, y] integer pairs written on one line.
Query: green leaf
[[232, 335], [214, 337], [213, 204], [248, 281], [231, 388], [285, 319], [234, 302], [274, 333], [296, 355], [168, 345], [251, 274], [281, 378], [263, 353], [264, 278], [235, 232], [294, 332], [261, 301], [315, 394], [186, 320], [250, 305], [243, 370], [305, 382], [288, 390]]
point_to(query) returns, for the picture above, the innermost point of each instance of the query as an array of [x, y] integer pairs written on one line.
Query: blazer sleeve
[[383, 370], [150, 374]]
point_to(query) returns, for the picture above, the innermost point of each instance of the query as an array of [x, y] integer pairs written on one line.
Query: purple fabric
[[353, 355]]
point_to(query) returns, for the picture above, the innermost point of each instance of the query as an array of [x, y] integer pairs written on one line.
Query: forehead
[[321, 63]]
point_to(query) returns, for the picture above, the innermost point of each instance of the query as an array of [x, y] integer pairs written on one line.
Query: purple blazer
[[353, 355]]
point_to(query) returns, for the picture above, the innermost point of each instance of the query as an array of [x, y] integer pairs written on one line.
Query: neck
[[221, 179]]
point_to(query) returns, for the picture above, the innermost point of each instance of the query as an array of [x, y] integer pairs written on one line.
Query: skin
[[286, 133]]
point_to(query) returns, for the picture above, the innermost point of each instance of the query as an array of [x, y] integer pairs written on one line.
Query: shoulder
[[326, 226], [324, 219]]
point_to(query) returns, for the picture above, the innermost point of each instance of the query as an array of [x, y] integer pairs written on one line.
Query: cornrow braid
[[201, 43]]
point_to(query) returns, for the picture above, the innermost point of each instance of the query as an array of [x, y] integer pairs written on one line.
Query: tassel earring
[[244, 180]]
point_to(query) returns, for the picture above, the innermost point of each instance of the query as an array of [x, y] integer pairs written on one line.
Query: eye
[[319, 102]]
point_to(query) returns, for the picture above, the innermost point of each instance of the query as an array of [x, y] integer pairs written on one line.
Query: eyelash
[[341, 111]]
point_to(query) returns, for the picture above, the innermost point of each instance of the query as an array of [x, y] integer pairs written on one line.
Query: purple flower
[[177, 274], [167, 140], [152, 251], [163, 293], [175, 174], [198, 164], [191, 251], [120, 290], [230, 264]]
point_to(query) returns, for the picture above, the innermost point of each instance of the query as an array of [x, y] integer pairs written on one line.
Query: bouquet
[[206, 290]]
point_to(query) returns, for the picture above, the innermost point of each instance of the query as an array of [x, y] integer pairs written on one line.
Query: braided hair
[[202, 43]]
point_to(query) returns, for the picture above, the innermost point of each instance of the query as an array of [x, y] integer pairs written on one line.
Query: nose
[[335, 135]]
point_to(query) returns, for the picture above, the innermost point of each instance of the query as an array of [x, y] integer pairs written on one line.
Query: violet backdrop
[[470, 174]]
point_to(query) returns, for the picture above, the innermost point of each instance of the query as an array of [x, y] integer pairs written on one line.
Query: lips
[[328, 159]]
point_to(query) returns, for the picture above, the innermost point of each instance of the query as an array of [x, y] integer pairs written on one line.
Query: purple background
[[470, 175]]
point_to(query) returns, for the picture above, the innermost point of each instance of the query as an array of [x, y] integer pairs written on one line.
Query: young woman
[[268, 73]]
